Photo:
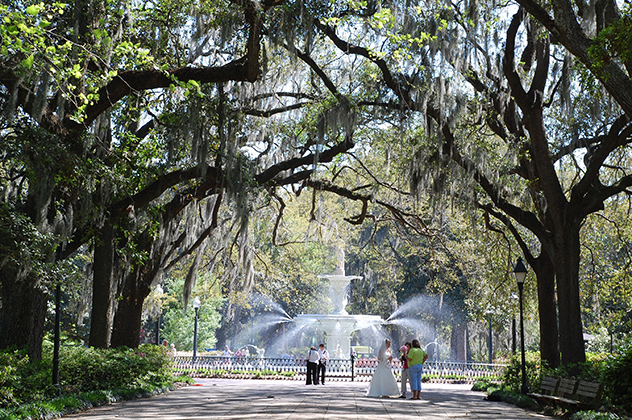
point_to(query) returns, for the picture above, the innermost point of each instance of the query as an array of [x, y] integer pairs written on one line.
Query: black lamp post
[[196, 306], [159, 293], [57, 338], [520, 271], [490, 344]]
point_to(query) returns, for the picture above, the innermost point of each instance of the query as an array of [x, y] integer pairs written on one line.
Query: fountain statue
[[338, 325]]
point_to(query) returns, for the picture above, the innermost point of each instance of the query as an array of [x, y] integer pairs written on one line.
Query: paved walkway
[[269, 399]]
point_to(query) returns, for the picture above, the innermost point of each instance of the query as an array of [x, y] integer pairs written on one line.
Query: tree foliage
[[147, 136]]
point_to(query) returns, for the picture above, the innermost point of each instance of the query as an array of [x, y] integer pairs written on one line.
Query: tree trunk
[[567, 250], [563, 225], [547, 309], [22, 315], [103, 289], [129, 311], [458, 343]]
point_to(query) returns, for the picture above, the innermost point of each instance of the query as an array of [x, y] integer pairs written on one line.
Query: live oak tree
[[500, 136], [99, 83], [144, 162]]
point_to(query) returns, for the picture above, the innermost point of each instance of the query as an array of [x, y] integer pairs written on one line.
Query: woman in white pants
[[403, 355]]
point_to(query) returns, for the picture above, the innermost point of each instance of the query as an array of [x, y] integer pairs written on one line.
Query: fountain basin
[[338, 328]]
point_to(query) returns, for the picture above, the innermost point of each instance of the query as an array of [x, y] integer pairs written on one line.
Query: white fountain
[[338, 325]]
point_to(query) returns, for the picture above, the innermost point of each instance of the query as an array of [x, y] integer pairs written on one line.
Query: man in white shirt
[[312, 366], [322, 362]]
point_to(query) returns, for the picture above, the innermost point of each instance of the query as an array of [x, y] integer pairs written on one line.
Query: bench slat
[[548, 390], [571, 394], [567, 388], [589, 394], [589, 389], [549, 384]]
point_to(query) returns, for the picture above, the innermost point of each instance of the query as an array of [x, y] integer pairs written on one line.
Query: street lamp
[[159, 293], [196, 306], [520, 271], [490, 348], [57, 338]]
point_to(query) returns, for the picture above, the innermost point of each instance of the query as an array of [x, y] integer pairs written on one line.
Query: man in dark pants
[[322, 362], [312, 366]]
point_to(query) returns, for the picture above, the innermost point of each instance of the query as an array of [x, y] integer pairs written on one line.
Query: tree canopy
[[147, 135]]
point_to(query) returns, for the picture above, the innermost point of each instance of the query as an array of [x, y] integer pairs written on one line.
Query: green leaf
[[28, 62], [32, 10]]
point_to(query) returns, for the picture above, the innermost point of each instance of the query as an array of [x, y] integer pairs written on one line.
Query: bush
[[617, 377], [614, 371], [591, 370], [21, 381], [512, 378], [594, 415], [89, 377], [88, 369], [484, 385], [514, 398]]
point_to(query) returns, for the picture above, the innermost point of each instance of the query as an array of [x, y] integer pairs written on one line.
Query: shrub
[[591, 370], [514, 398], [26, 391], [617, 377], [21, 381], [89, 369], [512, 378], [594, 415], [483, 385], [81, 369]]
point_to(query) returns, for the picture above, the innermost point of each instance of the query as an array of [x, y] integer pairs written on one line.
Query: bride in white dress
[[383, 383]]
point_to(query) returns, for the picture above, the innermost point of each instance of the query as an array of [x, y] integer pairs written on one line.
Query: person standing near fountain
[[383, 383], [416, 358], [322, 362], [312, 366], [403, 351]]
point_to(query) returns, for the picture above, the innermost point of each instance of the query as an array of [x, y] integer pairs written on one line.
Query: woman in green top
[[416, 358]]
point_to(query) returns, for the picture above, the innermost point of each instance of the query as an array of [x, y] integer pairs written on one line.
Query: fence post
[[352, 360]]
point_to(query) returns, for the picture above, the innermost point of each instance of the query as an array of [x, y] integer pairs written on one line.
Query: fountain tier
[[338, 325]]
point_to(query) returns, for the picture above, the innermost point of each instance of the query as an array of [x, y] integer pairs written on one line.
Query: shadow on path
[[269, 399]]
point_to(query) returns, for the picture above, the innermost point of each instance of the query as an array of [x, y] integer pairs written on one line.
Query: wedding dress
[[383, 382]]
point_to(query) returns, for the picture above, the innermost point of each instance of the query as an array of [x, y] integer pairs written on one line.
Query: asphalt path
[[275, 399]]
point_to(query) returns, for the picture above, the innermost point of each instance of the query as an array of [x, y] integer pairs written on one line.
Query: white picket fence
[[337, 369]]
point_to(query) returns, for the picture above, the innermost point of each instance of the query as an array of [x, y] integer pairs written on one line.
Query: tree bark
[[128, 318], [458, 343], [22, 314], [547, 309], [103, 288], [567, 250], [136, 286]]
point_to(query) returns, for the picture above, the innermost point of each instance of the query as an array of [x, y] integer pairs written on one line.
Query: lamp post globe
[[196, 306], [520, 272]]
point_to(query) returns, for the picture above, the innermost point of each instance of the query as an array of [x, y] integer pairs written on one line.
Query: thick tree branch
[[404, 218], [326, 156], [567, 31], [270, 112], [127, 205], [509, 70], [142, 80], [606, 145], [364, 52]]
